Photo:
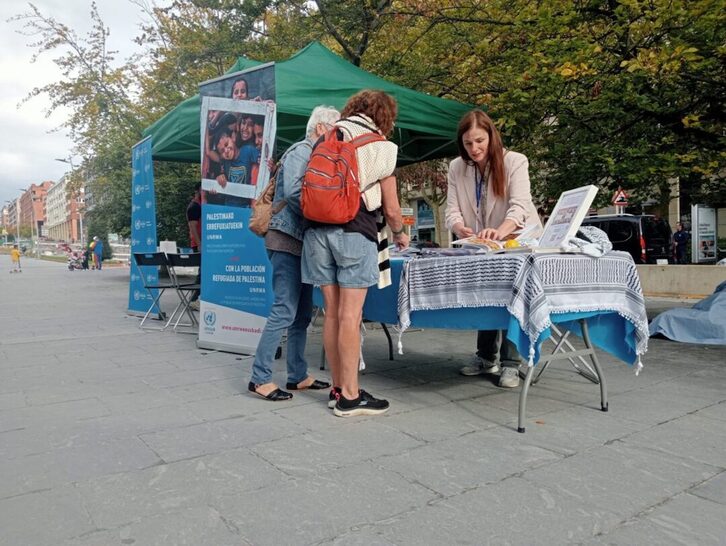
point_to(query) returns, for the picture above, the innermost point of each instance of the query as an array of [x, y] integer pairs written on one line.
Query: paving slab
[[454, 465], [684, 520], [120, 499], [213, 437], [344, 498], [192, 527], [43, 518], [690, 430], [623, 479], [315, 452], [713, 489], [113, 435], [512, 512]]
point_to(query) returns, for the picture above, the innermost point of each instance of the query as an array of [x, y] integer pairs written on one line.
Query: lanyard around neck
[[479, 179]]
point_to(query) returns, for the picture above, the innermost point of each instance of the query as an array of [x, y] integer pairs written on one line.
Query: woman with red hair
[[343, 259], [489, 196]]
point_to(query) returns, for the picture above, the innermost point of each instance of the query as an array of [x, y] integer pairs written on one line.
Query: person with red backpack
[[347, 183], [292, 308]]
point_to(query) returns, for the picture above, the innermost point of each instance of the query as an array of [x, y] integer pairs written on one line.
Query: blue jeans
[[291, 311]]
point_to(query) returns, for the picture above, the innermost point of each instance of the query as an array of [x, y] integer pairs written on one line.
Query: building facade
[[32, 207], [64, 221], [10, 216]]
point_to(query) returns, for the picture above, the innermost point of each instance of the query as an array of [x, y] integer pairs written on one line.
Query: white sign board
[[703, 234], [567, 216]]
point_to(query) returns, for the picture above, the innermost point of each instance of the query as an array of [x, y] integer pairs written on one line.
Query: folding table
[[599, 299]]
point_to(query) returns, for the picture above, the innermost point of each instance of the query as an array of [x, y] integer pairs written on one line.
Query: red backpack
[[330, 187]]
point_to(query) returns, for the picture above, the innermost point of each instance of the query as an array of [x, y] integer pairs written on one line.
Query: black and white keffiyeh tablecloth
[[531, 286]]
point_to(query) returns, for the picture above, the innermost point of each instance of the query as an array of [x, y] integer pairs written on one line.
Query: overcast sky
[[28, 145]]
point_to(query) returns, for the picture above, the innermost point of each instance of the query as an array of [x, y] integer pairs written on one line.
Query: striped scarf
[[384, 261]]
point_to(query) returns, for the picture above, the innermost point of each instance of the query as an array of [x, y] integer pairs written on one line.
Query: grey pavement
[[111, 435]]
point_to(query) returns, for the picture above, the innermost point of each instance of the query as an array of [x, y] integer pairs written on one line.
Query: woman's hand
[[461, 231], [499, 233], [222, 180], [490, 233]]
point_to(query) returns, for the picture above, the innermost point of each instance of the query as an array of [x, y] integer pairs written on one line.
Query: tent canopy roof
[[425, 127]]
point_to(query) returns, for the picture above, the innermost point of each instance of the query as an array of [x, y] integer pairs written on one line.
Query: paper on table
[[485, 244]]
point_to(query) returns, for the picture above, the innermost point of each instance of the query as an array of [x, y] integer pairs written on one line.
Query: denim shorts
[[333, 256]]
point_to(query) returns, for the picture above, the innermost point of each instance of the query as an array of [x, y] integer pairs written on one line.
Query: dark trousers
[[198, 280], [491, 344]]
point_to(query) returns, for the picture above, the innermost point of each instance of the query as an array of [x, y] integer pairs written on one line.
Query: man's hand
[[222, 180], [401, 240]]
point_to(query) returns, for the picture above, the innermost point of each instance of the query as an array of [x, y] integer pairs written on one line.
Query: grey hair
[[321, 114]]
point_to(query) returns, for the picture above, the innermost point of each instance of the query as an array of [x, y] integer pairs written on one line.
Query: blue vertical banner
[[238, 126], [143, 226]]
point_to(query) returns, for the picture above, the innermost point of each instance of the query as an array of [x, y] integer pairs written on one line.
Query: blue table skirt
[[608, 330]]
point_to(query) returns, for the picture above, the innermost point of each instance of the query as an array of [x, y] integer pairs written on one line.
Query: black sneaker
[[365, 404], [333, 397]]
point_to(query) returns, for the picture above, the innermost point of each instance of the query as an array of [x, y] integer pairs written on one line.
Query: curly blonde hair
[[377, 105]]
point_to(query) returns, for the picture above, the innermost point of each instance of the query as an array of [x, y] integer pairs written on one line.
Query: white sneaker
[[194, 305], [479, 366], [509, 378]]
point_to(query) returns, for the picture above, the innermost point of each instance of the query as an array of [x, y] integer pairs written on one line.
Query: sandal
[[278, 395], [316, 385]]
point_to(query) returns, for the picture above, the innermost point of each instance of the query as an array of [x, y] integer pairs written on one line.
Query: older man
[[292, 308]]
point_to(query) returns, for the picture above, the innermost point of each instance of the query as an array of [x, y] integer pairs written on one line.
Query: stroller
[[74, 261]]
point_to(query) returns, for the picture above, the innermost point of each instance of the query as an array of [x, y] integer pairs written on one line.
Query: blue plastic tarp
[[704, 323]]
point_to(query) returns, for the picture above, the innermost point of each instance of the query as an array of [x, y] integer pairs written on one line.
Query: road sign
[[620, 198], [406, 211], [408, 221]]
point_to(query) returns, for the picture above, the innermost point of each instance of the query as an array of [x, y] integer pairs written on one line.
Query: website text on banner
[[238, 126], [143, 226]]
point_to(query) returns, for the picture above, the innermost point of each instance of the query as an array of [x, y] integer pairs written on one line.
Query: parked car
[[646, 237]]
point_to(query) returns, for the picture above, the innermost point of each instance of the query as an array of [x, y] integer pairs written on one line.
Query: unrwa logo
[[210, 317]]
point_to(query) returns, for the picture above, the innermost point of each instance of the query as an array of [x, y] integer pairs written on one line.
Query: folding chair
[[154, 287], [184, 290]]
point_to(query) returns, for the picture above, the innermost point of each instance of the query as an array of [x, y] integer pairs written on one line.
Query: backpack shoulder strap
[[371, 129], [366, 138]]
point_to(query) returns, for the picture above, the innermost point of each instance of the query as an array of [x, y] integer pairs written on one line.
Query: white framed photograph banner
[[237, 143], [567, 216]]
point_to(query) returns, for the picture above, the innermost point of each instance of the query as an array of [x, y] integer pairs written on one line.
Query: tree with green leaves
[[605, 92], [612, 93]]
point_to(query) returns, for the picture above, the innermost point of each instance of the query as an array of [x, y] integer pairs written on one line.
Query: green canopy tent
[[425, 127]]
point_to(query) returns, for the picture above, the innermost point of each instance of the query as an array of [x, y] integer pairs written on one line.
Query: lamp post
[[79, 200]]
